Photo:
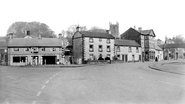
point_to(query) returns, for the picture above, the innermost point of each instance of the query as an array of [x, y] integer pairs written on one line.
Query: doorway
[[48, 60]]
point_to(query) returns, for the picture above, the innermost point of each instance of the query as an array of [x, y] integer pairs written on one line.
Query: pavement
[[170, 66]]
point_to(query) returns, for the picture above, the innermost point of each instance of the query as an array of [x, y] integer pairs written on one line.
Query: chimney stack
[[108, 31], [140, 29], [60, 36], [78, 28], [10, 35]]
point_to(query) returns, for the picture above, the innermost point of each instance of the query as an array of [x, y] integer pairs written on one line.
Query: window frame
[[108, 49], [16, 49], [91, 49], [108, 41], [100, 49], [91, 40]]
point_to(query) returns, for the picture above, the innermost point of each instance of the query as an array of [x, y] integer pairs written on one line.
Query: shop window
[[43, 49], [18, 59], [53, 49]]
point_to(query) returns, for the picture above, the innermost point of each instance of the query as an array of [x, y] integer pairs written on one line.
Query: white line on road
[[51, 78], [47, 81], [38, 94], [54, 75], [43, 87]]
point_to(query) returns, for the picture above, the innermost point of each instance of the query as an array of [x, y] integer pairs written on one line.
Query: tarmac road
[[121, 83]]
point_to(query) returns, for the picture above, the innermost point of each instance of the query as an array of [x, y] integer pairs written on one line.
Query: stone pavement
[[171, 66]]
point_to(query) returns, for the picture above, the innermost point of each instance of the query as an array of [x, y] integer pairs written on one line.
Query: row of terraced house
[[132, 45]]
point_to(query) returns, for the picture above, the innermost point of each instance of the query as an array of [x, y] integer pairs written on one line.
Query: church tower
[[114, 29]]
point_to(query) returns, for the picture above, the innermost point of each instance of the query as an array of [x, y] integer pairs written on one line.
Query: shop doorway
[[48, 60]]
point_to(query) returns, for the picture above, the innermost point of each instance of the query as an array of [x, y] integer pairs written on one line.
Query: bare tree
[[97, 29]]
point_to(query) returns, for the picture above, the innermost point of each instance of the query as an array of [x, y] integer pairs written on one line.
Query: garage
[[49, 60]]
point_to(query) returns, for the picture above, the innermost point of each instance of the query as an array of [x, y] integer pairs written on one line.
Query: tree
[[72, 29], [97, 29], [36, 28], [178, 39]]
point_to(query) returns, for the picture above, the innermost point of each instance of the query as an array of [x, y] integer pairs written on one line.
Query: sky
[[165, 17]]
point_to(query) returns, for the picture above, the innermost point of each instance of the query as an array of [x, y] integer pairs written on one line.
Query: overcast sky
[[165, 17]]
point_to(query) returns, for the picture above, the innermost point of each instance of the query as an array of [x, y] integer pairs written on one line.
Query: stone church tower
[[114, 29]]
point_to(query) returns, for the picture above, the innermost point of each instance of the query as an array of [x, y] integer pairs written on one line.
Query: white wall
[[96, 44], [124, 50]]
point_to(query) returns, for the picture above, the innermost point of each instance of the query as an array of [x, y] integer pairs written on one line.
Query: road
[[120, 83]]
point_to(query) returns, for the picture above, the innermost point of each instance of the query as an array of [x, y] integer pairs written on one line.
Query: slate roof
[[96, 34], [157, 47], [124, 42], [130, 31], [27, 42], [173, 46]]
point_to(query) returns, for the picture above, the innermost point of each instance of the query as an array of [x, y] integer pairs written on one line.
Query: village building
[[3, 51], [34, 51], [127, 50], [173, 51], [145, 38], [92, 46]]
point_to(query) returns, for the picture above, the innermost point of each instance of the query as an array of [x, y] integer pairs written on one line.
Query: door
[[126, 58], [123, 58]]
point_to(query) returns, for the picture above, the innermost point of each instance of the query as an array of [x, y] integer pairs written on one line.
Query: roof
[[3, 44], [96, 34], [130, 32], [173, 45], [125, 42], [147, 32], [157, 47], [26, 42]]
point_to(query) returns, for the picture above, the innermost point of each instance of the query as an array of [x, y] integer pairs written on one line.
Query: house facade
[[173, 51], [34, 51], [145, 38], [127, 50], [92, 45]]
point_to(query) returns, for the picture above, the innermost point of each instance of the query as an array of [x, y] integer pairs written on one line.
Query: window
[[108, 48], [118, 56], [100, 48], [91, 48], [129, 49], [108, 55], [43, 49], [18, 59], [108, 41], [16, 49], [54, 49], [100, 39], [27, 49], [137, 50], [118, 49], [91, 40]]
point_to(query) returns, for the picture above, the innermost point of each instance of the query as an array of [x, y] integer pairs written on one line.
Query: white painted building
[[127, 50], [92, 45]]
